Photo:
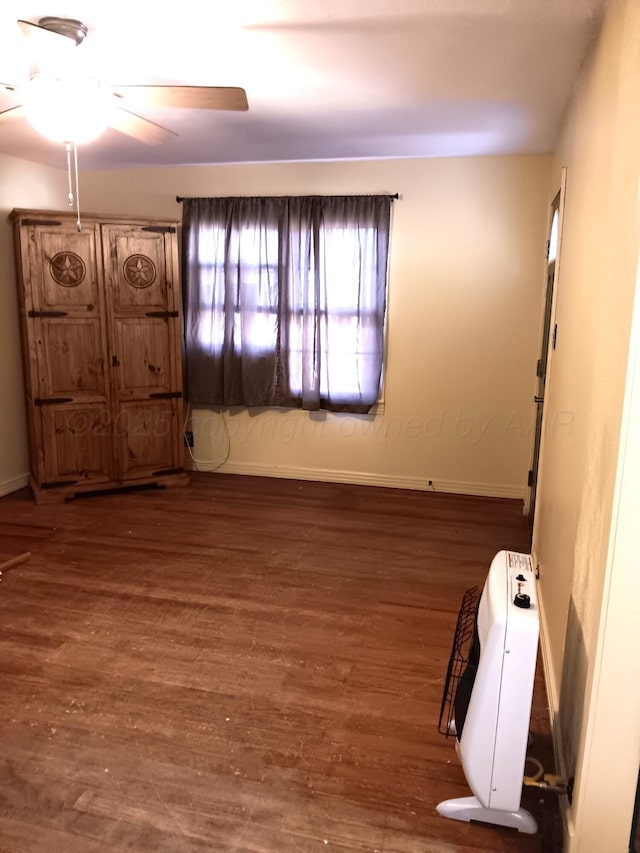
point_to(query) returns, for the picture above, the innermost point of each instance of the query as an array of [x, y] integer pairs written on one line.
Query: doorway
[[548, 341]]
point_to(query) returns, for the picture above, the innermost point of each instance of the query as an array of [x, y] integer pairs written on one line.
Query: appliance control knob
[[522, 600]]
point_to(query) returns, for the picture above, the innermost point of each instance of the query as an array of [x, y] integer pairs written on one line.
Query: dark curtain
[[285, 300]]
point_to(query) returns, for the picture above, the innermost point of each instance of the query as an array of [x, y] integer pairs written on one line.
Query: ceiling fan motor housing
[[69, 27]]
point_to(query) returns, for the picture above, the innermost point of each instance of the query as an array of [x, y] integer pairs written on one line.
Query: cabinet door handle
[[51, 401]]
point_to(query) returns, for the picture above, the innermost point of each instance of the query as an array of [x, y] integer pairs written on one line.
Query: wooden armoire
[[102, 347]]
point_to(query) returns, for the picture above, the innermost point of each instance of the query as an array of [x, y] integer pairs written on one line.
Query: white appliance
[[489, 692]]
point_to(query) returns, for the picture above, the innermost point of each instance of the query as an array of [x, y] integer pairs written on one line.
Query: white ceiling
[[325, 79]]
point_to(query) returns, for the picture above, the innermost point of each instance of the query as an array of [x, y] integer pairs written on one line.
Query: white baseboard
[[554, 706], [289, 472], [13, 484]]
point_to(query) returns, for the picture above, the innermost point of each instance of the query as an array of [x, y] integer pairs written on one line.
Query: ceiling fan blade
[[139, 128], [45, 46], [42, 37], [187, 97], [10, 87], [12, 114]]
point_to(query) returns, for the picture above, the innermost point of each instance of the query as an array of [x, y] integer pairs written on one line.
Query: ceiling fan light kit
[[67, 109]]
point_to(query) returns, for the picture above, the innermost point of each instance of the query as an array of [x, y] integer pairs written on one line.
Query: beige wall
[[22, 184], [464, 306], [574, 538]]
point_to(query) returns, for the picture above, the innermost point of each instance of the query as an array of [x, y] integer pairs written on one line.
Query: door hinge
[[530, 477], [51, 401], [159, 229], [539, 368], [161, 315], [548, 249], [46, 313], [554, 338], [165, 395]]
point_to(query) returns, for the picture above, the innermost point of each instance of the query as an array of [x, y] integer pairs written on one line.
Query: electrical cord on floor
[[546, 781], [206, 465], [530, 780]]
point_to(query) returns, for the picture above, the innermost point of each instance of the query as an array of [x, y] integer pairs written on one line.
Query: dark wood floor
[[241, 665]]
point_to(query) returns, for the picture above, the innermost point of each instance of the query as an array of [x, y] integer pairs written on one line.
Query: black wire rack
[[458, 660]]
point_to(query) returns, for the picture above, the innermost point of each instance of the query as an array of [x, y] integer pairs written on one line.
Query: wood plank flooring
[[243, 665]]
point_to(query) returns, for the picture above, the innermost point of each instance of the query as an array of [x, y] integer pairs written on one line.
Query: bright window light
[[553, 238]]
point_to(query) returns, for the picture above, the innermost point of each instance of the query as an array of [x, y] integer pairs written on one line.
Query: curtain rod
[[180, 198]]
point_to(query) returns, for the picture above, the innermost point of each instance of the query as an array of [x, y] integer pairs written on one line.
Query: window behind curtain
[[285, 300]]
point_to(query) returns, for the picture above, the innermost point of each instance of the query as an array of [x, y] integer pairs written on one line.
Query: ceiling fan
[[67, 105]]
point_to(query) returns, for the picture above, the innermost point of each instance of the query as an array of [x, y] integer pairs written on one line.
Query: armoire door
[[142, 283], [67, 353]]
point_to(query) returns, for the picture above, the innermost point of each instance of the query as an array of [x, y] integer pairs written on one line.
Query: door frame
[[547, 335]]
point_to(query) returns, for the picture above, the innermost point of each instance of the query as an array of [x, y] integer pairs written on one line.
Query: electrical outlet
[[188, 439]]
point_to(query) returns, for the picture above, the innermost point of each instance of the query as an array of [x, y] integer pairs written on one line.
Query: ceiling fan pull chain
[[70, 194], [73, 179], [75, 157]]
